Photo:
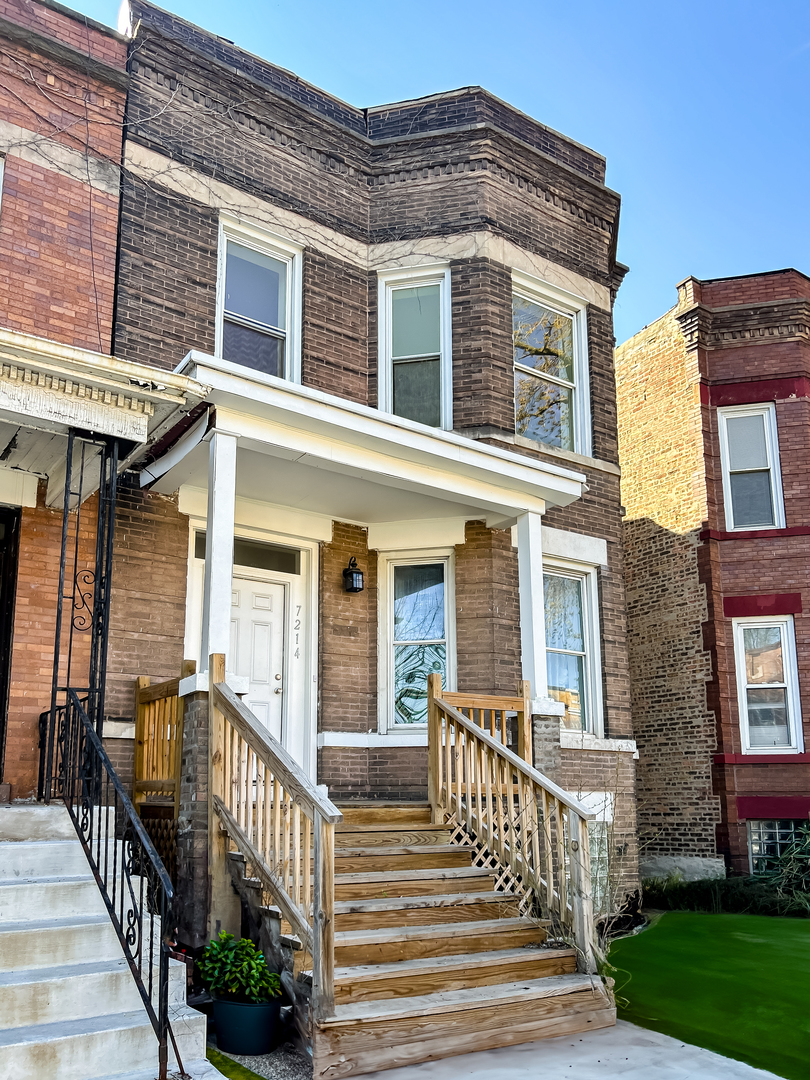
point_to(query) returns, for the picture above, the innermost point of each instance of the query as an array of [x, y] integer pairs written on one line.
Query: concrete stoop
[[69, 1006]]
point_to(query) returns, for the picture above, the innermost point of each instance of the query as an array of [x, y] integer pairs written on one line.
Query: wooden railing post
[[434, 690], [524, 734], [323, 930], [141, 683], [224, 911], [581, 896]]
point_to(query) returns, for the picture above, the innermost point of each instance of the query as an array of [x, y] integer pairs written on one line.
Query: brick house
[[713, 448], [321, 397], [62, 106], [399, 248]]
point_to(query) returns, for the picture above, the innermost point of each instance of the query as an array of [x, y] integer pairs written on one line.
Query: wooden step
[[368, 1036], [387, 945], [370, 982], [355, 860], [387, 835], [376, 813], [423, 910], [381, 884]]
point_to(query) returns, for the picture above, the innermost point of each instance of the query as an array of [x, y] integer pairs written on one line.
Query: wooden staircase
[[414, 917], [431, 960]]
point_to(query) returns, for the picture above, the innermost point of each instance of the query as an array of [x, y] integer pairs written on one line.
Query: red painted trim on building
[[762, 759], [773, 806], [755, 534], [751, 393], [740, 607]]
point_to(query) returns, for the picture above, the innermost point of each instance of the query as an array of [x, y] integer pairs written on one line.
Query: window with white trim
[[414, 353], [767, 685], [417, 634], [549, 332], [749, 454], [573, 667], [258, 321]]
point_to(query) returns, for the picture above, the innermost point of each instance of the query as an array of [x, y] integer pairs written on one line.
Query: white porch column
[[218, 583], [532, 608]]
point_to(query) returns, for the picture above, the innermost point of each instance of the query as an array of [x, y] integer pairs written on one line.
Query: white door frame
[[301, 670]]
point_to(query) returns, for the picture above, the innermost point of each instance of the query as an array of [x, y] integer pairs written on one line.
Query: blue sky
[[701, 110]]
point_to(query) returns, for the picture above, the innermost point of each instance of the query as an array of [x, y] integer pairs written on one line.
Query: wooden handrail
[[493, 711], [158, 739], [281, 822], [517, 763], [531, 825]]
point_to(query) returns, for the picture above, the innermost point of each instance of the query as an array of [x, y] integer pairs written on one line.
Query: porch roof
[[47, 388], [336, 457]]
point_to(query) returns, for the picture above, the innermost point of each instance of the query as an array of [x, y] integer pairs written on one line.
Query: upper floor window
[[414, 355], [749, 453], [551, 373], [259, 302], [767, 684]]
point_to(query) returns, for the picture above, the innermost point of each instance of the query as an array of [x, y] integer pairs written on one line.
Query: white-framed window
[[550, 341], [749, 455], [414, 356], [417, 633], [767, 685], [768, 839], [573, 659], [258, 301]]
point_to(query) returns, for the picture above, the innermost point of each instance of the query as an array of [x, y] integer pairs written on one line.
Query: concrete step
[[41, 858], [58, 897], [71, 991], [423, 910], [84, 1049], [196, 1070], [37, 943], [35, 821]]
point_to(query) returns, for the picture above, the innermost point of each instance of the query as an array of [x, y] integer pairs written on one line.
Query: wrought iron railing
[[133, 881]]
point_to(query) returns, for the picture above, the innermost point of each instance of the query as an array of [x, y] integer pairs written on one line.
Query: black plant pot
[[246, 1029]]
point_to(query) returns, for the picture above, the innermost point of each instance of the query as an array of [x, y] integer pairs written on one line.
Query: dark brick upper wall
[[472, 106], [465, 107]]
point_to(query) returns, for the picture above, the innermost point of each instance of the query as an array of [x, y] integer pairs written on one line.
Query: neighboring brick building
[[714, 448], [349, 283], [62, 100]]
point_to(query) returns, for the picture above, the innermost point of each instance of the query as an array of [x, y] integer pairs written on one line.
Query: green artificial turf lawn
[[735, 984], [228, 1067]]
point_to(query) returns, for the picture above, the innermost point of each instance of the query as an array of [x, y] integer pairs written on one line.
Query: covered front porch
[[283, 485]]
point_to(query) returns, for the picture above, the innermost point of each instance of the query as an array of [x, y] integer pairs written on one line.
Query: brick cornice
[[723, 328], [63, 53]]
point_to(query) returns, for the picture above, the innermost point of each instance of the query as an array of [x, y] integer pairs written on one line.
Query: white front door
[[258, 646]]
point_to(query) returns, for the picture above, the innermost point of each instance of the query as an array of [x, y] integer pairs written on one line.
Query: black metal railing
[[130, 875]]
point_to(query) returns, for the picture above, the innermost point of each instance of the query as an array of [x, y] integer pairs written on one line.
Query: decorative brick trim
[[752, 393], [741, 325], [755, 534], [773, 806], [740, 607], [762, 759]]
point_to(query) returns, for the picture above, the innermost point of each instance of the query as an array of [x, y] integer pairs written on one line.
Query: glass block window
[[767, 684], [752, 487], [545, 376], [768, 839], [419, 636]]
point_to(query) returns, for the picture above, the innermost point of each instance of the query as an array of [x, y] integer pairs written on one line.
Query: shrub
[[236, 971]]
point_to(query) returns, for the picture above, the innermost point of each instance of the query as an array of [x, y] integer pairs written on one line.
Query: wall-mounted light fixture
[[352, 577]]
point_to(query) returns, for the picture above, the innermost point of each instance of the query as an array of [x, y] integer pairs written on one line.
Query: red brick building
[[715, 450], [62, 98]]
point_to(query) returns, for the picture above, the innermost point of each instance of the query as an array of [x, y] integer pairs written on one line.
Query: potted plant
[[246, 994]]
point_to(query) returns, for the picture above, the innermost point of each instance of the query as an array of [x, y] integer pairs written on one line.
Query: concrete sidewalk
[[624, 1051]]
